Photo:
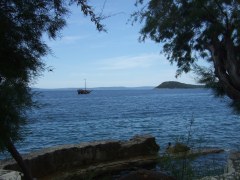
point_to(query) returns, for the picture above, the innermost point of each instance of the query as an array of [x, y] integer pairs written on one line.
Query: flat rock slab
[[80, 156], [198, 152], [99, 170]]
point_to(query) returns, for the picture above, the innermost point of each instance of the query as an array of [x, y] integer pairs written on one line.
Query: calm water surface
[[68, 118]]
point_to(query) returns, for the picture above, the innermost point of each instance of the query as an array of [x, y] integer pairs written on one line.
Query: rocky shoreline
[[232, 170], [68, 161], [102, 157]]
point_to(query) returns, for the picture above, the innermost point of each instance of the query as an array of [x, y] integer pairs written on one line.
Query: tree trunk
[[15, 154], [232, 64], [226, 78], [229, 88]]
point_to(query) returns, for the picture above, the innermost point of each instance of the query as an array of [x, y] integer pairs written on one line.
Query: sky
[[111, 59]]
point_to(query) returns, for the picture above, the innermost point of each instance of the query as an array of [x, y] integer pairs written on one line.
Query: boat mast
[[85, 84]]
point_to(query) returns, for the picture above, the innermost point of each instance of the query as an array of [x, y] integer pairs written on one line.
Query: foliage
[[193, 30], [14, 100], [177, 162], [23, 24], [206, 76]]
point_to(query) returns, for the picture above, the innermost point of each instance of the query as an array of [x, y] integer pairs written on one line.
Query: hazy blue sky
[[115, 58]]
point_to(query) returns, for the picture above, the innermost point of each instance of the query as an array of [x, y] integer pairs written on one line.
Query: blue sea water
[[68, 118]]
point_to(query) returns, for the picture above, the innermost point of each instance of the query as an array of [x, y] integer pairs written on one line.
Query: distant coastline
[[166, 85], [97, 88], [177, 85]]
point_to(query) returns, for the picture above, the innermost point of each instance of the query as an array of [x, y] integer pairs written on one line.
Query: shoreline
[[100, 157]]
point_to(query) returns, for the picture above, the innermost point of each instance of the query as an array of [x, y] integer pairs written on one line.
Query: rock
[[177, 148], [146, 175], [82, 156], [180, 149], [232, 171], [202, 152], [9, 175]]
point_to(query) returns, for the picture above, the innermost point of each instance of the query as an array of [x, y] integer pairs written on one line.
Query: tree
[[193, 30], [23, 23]]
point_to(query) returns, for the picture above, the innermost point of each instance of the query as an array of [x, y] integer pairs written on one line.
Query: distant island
[[175, 85]]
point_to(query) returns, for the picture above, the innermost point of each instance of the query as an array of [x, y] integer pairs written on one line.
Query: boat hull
[[83, 91]]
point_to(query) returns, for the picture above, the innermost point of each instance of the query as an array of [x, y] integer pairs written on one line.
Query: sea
[[170, 115]]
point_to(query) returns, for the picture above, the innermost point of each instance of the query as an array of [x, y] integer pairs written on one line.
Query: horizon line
[[95, 87]]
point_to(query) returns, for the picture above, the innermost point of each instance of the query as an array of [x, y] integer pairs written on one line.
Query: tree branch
[[88, 11], [224, 14], [211, 18]]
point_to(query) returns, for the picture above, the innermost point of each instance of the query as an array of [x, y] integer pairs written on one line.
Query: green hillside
[[175, 84]]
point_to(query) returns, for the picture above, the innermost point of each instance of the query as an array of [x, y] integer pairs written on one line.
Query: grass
[[177, 162]]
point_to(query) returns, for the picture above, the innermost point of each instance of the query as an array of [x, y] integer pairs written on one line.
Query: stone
[[82, 156], [9, 175], [232, 171], [182, 150], [177, 148], [146, 175]]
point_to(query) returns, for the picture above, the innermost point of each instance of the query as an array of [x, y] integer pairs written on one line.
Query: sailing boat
[[83, 91]]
